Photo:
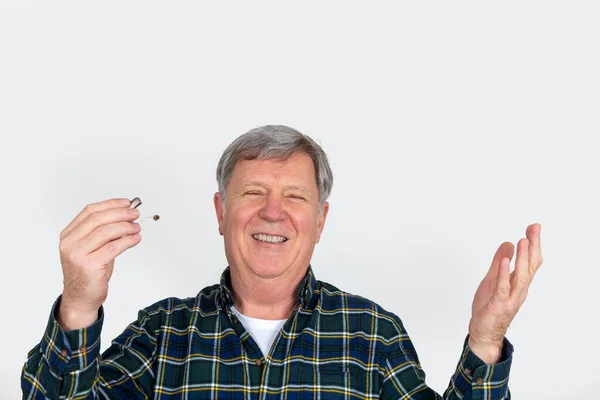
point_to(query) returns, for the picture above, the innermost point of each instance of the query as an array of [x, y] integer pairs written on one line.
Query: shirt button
[[259, 362], [468, 371], [65, 353], [479, 381]]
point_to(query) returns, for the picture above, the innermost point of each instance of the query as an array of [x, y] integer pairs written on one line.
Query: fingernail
[[125, 202], [133, 211]]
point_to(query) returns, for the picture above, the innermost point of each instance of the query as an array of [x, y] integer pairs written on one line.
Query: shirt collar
[[306, 292]]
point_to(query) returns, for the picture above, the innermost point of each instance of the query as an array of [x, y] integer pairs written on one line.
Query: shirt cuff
[[71, 350], [481, 380]]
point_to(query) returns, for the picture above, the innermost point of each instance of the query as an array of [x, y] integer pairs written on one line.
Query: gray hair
[[274, 142]]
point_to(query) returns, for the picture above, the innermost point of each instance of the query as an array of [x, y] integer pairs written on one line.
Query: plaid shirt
[[335, 345]]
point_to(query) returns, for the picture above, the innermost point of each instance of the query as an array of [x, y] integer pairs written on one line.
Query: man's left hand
[[501, 294]]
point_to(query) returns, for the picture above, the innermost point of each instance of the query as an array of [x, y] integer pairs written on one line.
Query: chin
[[269, 269]]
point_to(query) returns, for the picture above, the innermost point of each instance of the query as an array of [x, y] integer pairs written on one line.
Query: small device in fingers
[[136, 202]]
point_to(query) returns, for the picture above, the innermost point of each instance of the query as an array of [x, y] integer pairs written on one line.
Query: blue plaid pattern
[[335, 345]]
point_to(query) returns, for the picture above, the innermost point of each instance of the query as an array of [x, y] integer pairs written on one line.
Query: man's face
[[271, 219]]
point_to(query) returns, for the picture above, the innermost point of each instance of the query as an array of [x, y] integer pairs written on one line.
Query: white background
[[450, 127]]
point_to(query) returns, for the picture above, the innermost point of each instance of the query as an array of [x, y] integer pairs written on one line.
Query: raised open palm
[[501, 293]]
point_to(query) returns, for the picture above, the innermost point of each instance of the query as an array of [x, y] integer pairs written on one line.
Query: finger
[[522, 277], [91, 208], [114, 248], [502, 291], [506, 250], [96, 224], [107, 233], [535, 247]]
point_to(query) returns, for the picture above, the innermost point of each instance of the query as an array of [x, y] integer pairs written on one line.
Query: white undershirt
[[263, 331]]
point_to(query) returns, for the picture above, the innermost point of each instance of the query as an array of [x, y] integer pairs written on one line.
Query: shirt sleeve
[[68, 364], [473, 379], [481, 380]]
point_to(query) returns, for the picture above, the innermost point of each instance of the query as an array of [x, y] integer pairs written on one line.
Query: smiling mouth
[[262, 237]]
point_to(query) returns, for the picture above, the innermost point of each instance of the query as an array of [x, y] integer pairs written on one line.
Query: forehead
[[298, 168]]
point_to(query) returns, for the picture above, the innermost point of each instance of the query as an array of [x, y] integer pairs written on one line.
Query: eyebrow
[[245, 184]]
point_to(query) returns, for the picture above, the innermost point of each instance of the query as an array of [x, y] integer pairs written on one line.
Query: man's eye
[[253, 193], [296, 197]]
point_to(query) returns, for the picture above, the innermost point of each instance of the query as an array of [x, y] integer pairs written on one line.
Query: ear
[[321, 222], [220, 210]]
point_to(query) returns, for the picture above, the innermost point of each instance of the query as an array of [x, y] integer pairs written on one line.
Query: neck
[[261, 298]]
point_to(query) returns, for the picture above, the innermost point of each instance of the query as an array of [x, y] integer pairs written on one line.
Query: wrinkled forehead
[[297, 169]]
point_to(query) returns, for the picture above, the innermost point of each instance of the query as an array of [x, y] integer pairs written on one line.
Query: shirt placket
[[259, 367], [268, 369], [251, 354]]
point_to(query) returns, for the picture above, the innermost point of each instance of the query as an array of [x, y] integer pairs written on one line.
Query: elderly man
[[269, 329]]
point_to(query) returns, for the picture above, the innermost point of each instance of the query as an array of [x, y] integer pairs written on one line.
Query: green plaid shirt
[[335, 345]]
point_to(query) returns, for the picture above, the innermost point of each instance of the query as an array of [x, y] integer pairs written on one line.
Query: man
[[269, 329]]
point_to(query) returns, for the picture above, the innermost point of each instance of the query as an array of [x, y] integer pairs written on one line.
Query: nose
[[272, 209]]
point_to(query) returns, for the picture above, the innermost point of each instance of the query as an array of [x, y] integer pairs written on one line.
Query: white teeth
[[261, 237]]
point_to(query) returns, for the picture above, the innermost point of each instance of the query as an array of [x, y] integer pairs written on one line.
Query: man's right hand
[[88, 247]]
